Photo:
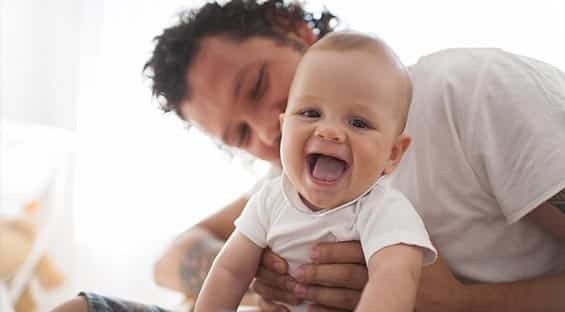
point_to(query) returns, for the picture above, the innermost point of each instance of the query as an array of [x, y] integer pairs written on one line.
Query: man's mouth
[[326, 168]]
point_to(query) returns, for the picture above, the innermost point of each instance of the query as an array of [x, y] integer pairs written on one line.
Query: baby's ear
[[398, 149]]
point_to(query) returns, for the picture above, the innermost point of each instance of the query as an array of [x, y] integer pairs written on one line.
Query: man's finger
[[273, 262], [268, 306], [269, 293], [342, 252], [352, 276], [337, 298], [276, 280]]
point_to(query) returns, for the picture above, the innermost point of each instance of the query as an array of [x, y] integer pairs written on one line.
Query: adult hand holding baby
[[439, 289], [335, 278]]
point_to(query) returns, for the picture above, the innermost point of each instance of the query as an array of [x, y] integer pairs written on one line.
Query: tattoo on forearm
[[195, 265], [559, 201]]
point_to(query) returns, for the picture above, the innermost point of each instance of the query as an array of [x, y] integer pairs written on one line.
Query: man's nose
[[269, 135], [267, 129], [330, 133]]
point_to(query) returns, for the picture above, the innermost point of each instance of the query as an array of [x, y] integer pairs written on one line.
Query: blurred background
[[113, 177]]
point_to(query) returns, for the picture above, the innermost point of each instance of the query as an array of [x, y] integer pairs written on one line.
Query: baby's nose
[[330, 134]]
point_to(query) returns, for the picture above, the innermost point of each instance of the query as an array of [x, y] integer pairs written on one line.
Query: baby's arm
[[394, 275], [230, 275]]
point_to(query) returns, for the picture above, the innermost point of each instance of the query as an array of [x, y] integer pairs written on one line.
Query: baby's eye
[[359, 123], [310, 113]]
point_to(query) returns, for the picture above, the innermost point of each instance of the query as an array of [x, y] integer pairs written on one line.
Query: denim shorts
[[98, 303]]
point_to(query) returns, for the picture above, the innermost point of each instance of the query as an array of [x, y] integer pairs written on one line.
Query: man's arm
[[550, 216], [440, 291], [185, 263], [558, 201], [541, 294]]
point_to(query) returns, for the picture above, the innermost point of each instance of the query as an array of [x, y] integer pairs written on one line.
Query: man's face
[[238, 90], [338, 133]]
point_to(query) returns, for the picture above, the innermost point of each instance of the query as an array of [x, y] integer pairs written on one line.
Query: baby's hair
[[348, 41], [353, 41]]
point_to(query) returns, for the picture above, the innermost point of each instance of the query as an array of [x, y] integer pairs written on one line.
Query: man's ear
[[305, 33], [398, 149]]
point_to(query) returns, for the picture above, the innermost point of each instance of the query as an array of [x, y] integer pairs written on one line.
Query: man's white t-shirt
[[488, 130], [276, 217]]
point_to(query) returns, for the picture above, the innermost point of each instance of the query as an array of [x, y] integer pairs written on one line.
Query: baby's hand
[[273, 283]]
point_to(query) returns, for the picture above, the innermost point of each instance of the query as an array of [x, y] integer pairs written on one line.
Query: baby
[[342, 137]]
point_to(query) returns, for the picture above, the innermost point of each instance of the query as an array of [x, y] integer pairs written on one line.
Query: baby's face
[[338, 135]]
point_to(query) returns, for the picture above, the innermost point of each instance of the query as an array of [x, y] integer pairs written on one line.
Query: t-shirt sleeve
[[387, 218], [254, 219], [514, 132]]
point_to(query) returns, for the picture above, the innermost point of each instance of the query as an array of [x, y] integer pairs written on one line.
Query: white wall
[[534, 28], [40, 40], [39, 54]]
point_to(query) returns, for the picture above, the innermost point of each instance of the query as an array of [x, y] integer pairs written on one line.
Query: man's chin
[[276, 163]]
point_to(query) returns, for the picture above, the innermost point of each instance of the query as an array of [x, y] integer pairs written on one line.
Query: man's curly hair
[[239, 20]]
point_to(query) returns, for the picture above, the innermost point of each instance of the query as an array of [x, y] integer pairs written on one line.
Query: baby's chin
[[320, 202]]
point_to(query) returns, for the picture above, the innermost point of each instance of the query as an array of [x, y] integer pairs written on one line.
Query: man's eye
[[358, 123], [310, 113], [242, 135], [256, 92]]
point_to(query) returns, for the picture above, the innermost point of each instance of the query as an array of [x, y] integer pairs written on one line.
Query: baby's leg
[[78, 304]]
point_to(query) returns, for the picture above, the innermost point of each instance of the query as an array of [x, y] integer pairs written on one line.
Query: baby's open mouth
[[326, 168]]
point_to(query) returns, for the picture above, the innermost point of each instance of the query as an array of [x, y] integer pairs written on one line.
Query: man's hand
[[273, 283], [333, 281], [439, 290]]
